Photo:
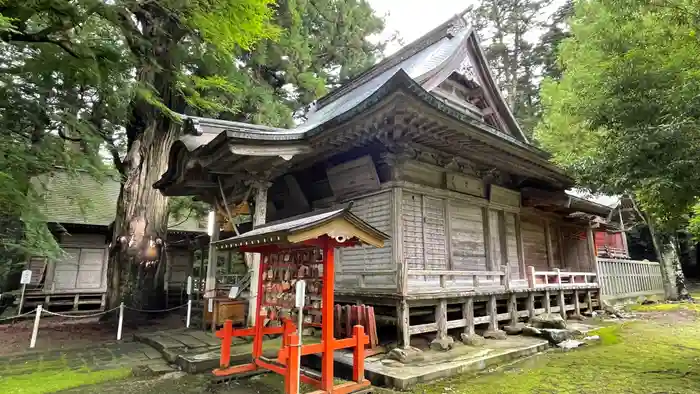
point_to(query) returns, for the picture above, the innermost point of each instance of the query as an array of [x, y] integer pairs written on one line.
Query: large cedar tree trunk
[[134, 276], [671, 269]]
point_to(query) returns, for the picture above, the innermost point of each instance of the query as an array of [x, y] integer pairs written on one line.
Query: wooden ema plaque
[[281, 271], [311, 260]]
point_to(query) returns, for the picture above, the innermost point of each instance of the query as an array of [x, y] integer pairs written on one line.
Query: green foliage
[[509, 30], [79, 81], [182, 209], [624, 117], [231, 25]]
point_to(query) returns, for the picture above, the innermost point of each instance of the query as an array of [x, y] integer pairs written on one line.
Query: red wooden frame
[[287, 362]]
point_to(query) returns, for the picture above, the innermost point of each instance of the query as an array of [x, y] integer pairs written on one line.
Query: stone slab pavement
[[108, 356]]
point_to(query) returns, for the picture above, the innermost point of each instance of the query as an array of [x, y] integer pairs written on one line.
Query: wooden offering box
[[225, 309]]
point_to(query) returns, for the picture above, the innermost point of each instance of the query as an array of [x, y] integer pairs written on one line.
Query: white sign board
[[301, 294], [26, 277], [210, 305], [233, 293]]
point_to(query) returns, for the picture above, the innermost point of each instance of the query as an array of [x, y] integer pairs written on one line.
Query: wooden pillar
[[531, 304], [468, 316], [547, 302], [441, 319], [513, 308], [210, 284], [327, 307], [548, 244], [592, 260], [258, 323], [589, 301], [519, 244], [259, 217], [577, 304], [397, 241], [488, 247], [503, 241], [493, 313], [403, 324], [562, 303], [167, 276]]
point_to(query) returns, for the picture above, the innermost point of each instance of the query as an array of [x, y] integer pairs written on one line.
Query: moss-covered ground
[[659, 353], [50, 377]]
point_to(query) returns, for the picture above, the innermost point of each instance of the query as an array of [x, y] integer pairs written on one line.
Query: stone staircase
[[197, 351]]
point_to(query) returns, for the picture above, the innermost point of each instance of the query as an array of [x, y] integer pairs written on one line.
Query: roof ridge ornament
[[193, 127], [457, 25]]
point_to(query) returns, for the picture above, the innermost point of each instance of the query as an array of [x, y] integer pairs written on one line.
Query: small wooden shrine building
[[78, 280], [481, 229]]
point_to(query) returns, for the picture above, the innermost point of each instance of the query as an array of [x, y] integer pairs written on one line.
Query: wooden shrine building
[[481, 229]]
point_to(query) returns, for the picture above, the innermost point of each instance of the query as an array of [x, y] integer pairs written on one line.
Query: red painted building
[[611, 244]]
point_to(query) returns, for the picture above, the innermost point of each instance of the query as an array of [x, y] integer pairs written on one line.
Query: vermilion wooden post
[[259, 320], [327, 316], [293, 367], [226, 336], [288, 328], [358, 359]]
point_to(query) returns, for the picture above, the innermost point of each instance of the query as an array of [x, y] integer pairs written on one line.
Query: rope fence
[[40, 310]]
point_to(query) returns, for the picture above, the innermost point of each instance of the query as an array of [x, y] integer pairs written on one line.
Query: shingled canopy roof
[[80, 199], [403, 82], [332, 222]]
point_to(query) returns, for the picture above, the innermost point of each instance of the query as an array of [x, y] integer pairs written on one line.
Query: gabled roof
[[429, 60], [413, 72], [81, 199], [308, 226]]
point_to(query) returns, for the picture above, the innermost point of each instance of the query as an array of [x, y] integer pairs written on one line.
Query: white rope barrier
[[40, 309], [18, 316], [79, 316]]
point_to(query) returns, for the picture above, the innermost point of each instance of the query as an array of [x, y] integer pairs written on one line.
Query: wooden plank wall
[[467, 237], [534, 243], [412, 217], [376, 210], [555, 232], [434, 234], [577, 254], [450, 234], [512, 246], [494, 234]]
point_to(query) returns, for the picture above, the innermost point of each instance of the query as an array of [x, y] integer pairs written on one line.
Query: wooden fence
[[624, 278]]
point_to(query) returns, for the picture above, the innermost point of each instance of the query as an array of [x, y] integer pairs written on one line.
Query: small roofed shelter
[[300, 248], [342, 227], [427, 150], [79, 211]]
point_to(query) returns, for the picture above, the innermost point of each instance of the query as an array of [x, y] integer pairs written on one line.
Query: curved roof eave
[[482, 63], [400, 80]]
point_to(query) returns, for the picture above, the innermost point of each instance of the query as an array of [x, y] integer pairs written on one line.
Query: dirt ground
[[65, 333]]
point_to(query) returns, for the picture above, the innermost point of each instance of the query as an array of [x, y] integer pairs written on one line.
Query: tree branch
[[62, 134], [37, 38]]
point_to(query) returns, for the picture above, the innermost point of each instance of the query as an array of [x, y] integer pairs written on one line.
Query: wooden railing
[[614, 253], [362, 275], [460, 280], [619, 278], [478, 278], [558, 278]]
